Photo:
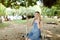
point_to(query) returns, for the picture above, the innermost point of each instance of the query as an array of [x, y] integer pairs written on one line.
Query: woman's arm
[[39, 24]]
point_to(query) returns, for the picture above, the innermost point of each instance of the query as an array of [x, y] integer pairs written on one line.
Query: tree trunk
[[0, 20]]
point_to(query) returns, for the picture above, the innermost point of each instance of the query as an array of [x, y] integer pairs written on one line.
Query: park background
[[14, 23]]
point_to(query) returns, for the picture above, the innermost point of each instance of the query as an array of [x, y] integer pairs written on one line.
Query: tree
[[2, 10], [10, 3], [49, 11], [49, 3]]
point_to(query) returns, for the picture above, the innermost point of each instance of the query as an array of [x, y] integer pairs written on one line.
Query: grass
[[46, 20], [2, 25], [19, 21], [6, 24]]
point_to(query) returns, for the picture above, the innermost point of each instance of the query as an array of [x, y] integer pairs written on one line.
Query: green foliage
[[26, 11], [13, 3], [3, 25], [9, 11], [49, 11], [19, 21], [2, 10], [22, 10], [29, 10], [58, 5], [31, 2], [58, 13]]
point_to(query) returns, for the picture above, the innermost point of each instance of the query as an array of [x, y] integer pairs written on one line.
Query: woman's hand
[[29, 39]]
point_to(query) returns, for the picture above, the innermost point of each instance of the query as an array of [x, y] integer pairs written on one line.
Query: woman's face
[[36, 15]]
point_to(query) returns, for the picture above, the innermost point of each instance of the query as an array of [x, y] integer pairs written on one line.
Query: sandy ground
[[16, 32]]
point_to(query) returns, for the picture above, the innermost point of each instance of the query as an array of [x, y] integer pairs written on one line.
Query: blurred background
[[14, 23]]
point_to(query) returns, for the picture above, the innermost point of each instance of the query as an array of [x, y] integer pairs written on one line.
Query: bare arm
[[40, 25]]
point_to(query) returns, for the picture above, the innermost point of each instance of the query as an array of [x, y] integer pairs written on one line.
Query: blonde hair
[[39, 15]]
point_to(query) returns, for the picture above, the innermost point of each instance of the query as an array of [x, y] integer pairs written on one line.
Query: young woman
[[35, 33]]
